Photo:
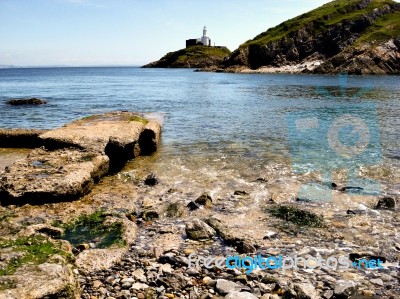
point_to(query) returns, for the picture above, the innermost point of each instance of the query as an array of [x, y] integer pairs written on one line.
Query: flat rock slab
[[94, 132], [76, 156], [51, 176]]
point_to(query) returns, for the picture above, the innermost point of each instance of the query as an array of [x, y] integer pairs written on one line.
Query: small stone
[[305, 290], [267, 279], [224, 286], [139, 286], [82, 247], [204, 200], [197, 230], [169, 295], [138, 274], [149, 215], [193, 206], [239, 192], [328, 294], [368, 293], [245, 246], [386, 203], [188, 251], [344, 289], [96, 284], [269, 235], [377, 281], [151, 180], [208, 281], [140, 296], [166, 268], [240, 295]]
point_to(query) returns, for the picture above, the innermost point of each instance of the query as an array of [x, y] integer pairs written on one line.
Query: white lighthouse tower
[[205, 40]]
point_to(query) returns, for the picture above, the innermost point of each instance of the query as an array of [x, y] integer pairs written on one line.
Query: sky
[[129, 32]]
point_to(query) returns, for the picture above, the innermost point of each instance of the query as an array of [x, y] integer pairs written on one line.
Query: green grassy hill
[[336, 28], [192, 57]]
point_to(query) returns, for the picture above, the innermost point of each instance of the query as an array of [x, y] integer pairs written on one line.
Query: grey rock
[[240, 295], [306, 291], [224, 286], [377, 281], [344, 289]]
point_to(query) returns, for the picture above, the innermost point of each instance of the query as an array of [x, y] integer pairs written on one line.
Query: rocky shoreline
[[160, 229]]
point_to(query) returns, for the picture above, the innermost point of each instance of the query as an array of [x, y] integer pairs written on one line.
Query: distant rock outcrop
[[355, 36], [31, 101], [192, 57]]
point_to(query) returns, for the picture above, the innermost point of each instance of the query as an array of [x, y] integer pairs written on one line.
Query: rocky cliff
[[354, 36], [192, 57]]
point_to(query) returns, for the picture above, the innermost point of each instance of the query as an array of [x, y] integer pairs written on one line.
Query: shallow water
[[223, 131]]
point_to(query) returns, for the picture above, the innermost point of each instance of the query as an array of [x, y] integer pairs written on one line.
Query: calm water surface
[[220, 130]]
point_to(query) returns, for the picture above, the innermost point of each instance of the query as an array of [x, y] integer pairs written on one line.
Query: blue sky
[[129, 32]]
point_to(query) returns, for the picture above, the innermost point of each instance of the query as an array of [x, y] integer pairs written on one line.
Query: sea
[[224, 131]]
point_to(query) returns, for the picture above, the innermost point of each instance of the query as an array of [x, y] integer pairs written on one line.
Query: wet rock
[[31, 101], [150, 138], [151, 180], [240, 295], [344, 289], [192, 206], [197, 230], [386, 203], [204, 200]]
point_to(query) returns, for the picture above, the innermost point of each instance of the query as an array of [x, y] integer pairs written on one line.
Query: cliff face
[[356, 36], [192, 57]]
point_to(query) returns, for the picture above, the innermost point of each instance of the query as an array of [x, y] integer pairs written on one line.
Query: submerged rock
[[151, 180]]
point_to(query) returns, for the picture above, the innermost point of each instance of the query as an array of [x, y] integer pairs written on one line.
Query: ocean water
[[221, 131]]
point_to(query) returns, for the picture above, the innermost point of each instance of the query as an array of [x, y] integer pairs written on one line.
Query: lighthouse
[[205, 40]]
